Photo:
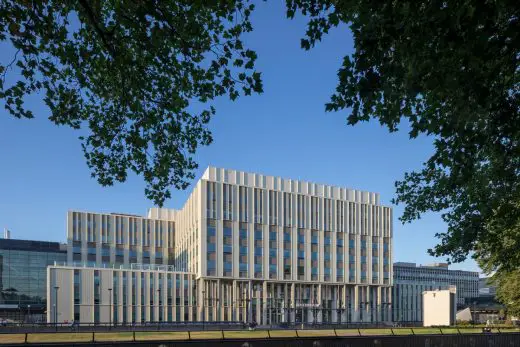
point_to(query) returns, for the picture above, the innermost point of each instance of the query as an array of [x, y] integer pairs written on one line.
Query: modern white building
[[245, 247], [410, 281], [439, 307]]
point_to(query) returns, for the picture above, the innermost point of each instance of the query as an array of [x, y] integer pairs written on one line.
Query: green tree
[[508, 291], [448, 69], [138, 76]]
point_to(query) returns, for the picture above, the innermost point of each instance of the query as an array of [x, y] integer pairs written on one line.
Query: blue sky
[[283, 132]]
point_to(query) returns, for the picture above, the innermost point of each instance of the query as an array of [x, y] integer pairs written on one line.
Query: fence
[[102, 339], [185, 325], [276, 337]]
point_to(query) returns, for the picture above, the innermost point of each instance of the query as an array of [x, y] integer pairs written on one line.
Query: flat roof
[[32, 245]]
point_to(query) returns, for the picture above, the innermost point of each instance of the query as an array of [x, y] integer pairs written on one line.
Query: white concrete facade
[[439, 307], [119, 295], [260, 248]]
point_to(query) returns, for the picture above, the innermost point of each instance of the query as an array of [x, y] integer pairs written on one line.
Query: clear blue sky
[[283, 132]]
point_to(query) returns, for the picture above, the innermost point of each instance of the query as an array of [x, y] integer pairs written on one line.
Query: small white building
[[439, 307]]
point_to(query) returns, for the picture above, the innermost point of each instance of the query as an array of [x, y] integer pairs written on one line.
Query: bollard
[[133, 335], [93, 338], [25, 338]]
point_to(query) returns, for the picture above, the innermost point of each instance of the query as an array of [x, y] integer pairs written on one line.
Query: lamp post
[[339, 311], [29, 313], [289, 312], [349, 312], [159, 303], [109, 308], [246, 305], [474, 316], [314, 309], [203, 309], [56, 288]]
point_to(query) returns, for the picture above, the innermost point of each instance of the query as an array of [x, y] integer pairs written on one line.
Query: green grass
[[426, 331], [161, 335], [12, 338], [35, 338], [283, 333], [122, 336], [403, 331], [206, 335], [368, 332], [347, 332], [311, 333], [59, 337], [255, 334]]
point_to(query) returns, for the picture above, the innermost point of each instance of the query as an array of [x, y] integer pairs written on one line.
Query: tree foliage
[[139, 76], [450, 70], [508, 291]]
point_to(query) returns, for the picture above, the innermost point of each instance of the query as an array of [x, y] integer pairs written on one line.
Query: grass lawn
[[35, 338], [368, 332], [310, 333], [283, 333], [426, 331], [59, 337], [161, 335], [256, 334], [12, 338], [347, 332], [403, 331], [122, 336], [206, 334]]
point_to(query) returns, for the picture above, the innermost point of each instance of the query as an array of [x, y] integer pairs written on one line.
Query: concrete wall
[[438, 308]]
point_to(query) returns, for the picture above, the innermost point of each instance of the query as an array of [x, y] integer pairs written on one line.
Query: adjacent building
[[439, 308], [23, 270], [245, 247], [410, 281], [486, 287]]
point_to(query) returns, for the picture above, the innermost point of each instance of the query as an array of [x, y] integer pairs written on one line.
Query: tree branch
[[91, 16]]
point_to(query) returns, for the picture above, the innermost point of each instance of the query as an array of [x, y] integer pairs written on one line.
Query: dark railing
[[268, 340], [191, 331]]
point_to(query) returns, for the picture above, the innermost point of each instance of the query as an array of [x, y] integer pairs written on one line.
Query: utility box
[[439, 307]]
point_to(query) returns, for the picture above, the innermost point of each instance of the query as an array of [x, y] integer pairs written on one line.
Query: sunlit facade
[[253, 248]]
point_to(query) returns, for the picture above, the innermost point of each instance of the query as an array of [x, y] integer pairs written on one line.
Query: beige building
[[439, 308], [248, 247]]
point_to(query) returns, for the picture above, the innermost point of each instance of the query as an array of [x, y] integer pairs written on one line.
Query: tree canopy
[[138, 76], [450, 70], [508, 290]]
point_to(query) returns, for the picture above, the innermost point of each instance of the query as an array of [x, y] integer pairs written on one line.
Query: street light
[[474, 316], [29, 312], [56, 307], [110, 308], [203, 309], [349, 312], [159, 303], [339, 311]]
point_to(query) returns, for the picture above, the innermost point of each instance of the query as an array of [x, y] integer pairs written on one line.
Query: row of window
[[112, 229], [325, 214]]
